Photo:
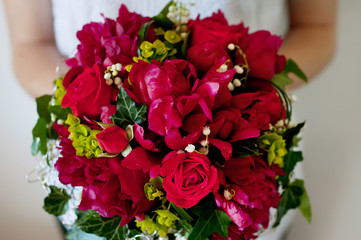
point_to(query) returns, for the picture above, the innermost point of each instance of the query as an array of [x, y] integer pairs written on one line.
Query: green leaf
[[245, 148], [42, 107], [40, 135], [142, 34], [75, 233], [294, 196], [289, 134], [292, 67], [290, 161], [162, 20], [127, 111], [56, 202], [305, 206], [282, 80], [218, 222], [59, 112], [92, 222], [182, 213]]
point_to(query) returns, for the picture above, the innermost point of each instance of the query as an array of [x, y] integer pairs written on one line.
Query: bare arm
[[311, 40], [35, 55]]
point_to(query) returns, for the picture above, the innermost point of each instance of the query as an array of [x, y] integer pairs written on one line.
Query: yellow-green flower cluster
[[172, 36], [147, 225], [60, 91], [275, 145], [156, 50], [151, 189], [83, 137], [165, 221]]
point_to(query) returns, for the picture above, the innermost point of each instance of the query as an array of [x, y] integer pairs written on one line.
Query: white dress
[[272, 15]]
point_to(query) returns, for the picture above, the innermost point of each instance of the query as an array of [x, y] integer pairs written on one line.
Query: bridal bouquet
[[170, 128]]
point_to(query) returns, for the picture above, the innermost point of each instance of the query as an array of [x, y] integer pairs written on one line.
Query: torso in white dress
[[272, 15]]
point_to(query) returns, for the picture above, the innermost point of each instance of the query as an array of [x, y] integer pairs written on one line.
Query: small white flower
[[239, 69], [280, 124], [223, 68], [230, 86], [109, 81], [231, 46], [206, 130], [117, 80], [172, 8], [190, 148], [172, 16], [184, 20], [204, 143], [118, 67], [237, 82], [183, 34], [107, 76], [60, 122]]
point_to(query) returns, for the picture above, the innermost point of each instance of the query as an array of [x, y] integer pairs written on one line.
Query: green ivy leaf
[[42, 107], [59, 112], [282, 79], [290, 161], [292, 67], [289, 134], [56, 202], [75, 233], [217, 221], [294, 196], [92, 222], [127, 111], [40, 135]]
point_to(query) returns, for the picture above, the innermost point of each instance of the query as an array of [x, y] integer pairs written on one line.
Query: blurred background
[[331, 105]]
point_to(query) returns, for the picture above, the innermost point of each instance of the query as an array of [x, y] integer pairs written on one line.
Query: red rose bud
[[113, 139]]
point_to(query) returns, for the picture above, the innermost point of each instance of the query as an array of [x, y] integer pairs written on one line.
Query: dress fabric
[[272, 15], [71, 15]]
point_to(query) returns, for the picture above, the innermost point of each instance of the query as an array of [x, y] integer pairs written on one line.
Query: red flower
[[151, 81], [209, 40], [87, 92], [250, 192], [113, 139], [109, 42], [188, 177], [261, 49]]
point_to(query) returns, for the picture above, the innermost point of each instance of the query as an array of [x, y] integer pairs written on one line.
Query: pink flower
[[87, 92], [109, 42], [112, 139], [188, 177], [150, 82]]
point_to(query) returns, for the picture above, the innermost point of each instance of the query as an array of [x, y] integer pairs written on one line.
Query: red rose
[[86, 91], [188, 177], [113, 139]]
